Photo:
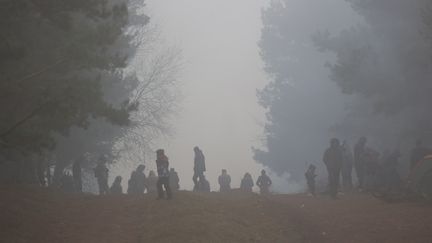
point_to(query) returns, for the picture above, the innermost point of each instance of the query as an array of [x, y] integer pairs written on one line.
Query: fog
[[256, 84], [331, 97], [222, 73], [234, 50]]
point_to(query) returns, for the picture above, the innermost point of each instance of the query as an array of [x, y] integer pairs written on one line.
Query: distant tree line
[[72, 86], [382, 64]]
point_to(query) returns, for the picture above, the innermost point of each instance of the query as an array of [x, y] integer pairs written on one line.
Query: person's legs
[[100, 187], [349, 178], [201, 176], [312, 187], [337, 176], [329, 178], [102, 184], [333, 183], [159, 188], [167, 188], [360, 175], [105, 186], [78, 185], [194, 179]]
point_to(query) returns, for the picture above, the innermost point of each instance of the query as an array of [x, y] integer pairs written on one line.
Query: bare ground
[[31, 214]]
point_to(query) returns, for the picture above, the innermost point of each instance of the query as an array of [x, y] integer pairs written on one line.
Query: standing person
[[116, 187], [151, 182], [162, 165], [264, 182], [333, 159], [41, 171], [347, 167], [76, 174], [66, 182], [418, 153], [137, 181], [391, 179], [359, 161], [199, 167], [101, 174], [224, 181], [247, 183], [310, 179], [371, 169], [174, 180]]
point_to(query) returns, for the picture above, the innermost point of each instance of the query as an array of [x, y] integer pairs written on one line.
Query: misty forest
[[227, 121]]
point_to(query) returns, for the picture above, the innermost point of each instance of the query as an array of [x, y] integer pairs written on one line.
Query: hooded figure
[[264, 182], [224, 181], [247, 183], [204, 185], [137, 181], [174, 180], [116, 187]]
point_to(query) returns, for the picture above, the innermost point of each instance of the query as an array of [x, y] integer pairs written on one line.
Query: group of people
[[375, 171], [163, 183], [166, 179], [201, 183]]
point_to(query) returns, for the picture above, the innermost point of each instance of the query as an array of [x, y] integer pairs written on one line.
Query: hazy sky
[[222, 72], [220, 76]]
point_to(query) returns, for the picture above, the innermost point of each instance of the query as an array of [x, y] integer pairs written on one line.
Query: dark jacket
[[199, 162], [333, 158], [162, 165]]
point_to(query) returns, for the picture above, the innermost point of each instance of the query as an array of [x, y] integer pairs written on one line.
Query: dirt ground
[[30, 214]]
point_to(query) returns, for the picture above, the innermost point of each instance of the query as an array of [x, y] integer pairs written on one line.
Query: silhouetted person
[[48, 175], [152, 182], [310, 179], [264, 182], [371, 166], [333, 159], [101, 174], [137, 181], [41, 167], [77, 176], [359, 161], [347, 166], [224, 181], [199, 167], [204, 185], [247, 183], [162, 165], [66, 182], [174, 180], [418, 153], [116, 187], [392, 179]]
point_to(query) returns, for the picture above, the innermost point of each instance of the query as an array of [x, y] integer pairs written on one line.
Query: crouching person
[[116, 187]]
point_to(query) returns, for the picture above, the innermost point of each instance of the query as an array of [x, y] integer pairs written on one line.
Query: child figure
[[310, 178]]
